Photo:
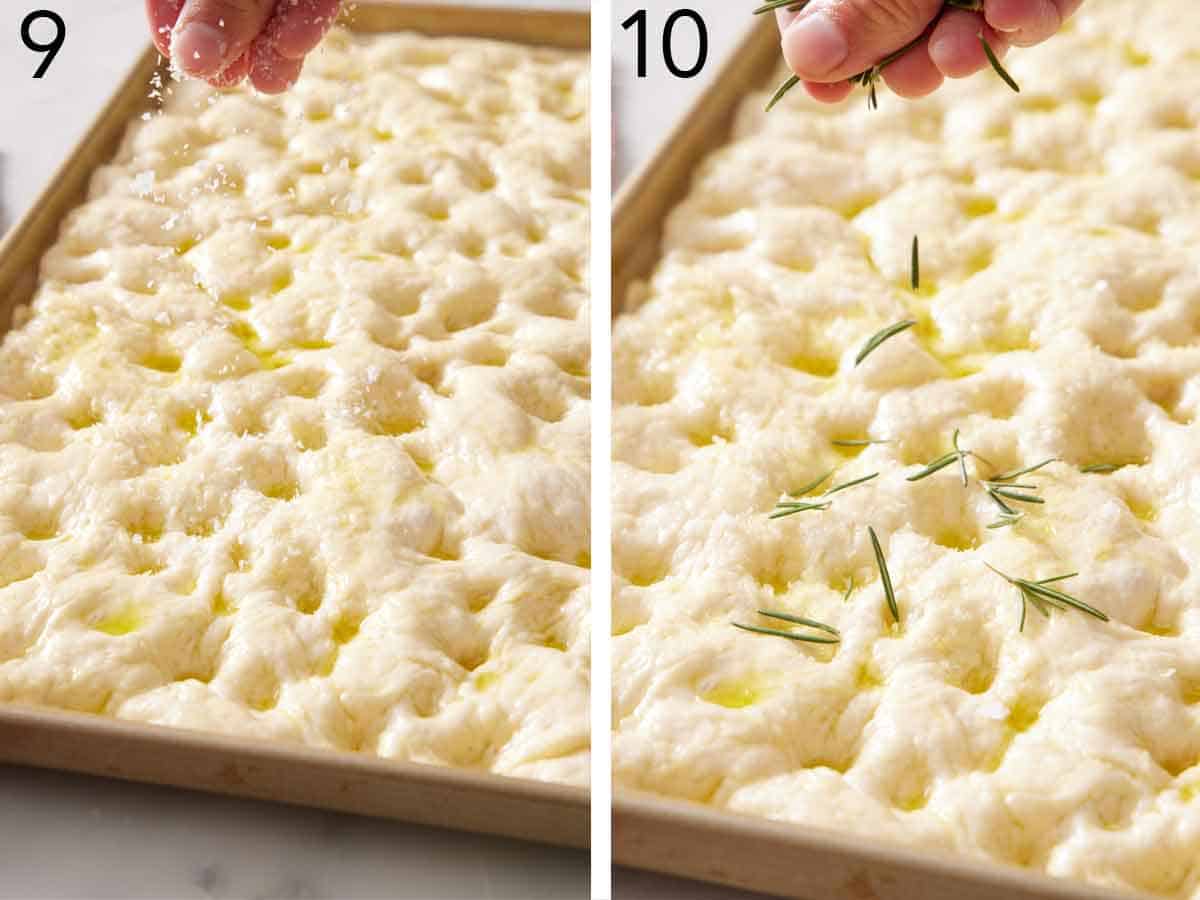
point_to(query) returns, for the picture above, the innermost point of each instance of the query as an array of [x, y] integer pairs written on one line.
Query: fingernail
[[199, 49], [815, 45]]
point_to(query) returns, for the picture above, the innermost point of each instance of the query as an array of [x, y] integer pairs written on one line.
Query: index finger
[[163, 14], [297, 27]]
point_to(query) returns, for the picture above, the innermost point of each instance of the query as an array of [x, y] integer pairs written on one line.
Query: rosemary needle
[[782, 91], [884, 576], [865, 442], [916, 263], [812, 485], [1100, 469], [994, 60], [790, 635], [831, 636], [1007, 493], [962, 458], [1028, 470], [785, 509], [936, 466], [850, 484], [799, 620], [1006, 519], [791, 5], [878, 339]]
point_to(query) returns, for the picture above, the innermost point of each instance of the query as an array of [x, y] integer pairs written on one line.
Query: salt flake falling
[[143, 183]]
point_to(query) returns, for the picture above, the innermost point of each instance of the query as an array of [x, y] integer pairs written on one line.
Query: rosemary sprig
[[869, 78], [785, 508], [831, 635], [957, 455], [1043, 598], [884, 576], [877, 340], [1004, 488]]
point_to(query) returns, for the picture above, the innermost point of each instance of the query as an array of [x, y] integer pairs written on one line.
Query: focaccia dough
[[1059, 316], [293, 439]]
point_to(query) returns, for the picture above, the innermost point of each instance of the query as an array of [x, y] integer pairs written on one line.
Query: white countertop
[[67, 836]]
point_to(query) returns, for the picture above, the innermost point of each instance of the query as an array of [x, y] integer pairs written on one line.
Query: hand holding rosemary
[[930, 52]]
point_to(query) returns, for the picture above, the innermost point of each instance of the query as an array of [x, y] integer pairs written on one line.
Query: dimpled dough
[[293, 439], [1058, 316]]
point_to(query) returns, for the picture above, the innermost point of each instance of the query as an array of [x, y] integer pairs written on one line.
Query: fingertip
[[784, 17], [914, 75], [1024, 22], [297, 30], [233, 74], [1007, 15], [162, 43], [198, 49], [815, 46], [955, 46], [162, 16], [271, 73], [829, 92]]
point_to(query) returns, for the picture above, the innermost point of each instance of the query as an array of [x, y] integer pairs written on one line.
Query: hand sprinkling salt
[[263, 40]]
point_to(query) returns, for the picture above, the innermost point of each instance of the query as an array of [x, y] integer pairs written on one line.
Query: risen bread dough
[[1059, 317], [293, 442]]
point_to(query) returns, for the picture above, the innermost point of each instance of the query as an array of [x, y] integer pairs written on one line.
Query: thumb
[[831, 40], [211, 34]]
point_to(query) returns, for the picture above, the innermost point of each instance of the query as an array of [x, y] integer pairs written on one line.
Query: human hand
[[227, 41], [830, 41]]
